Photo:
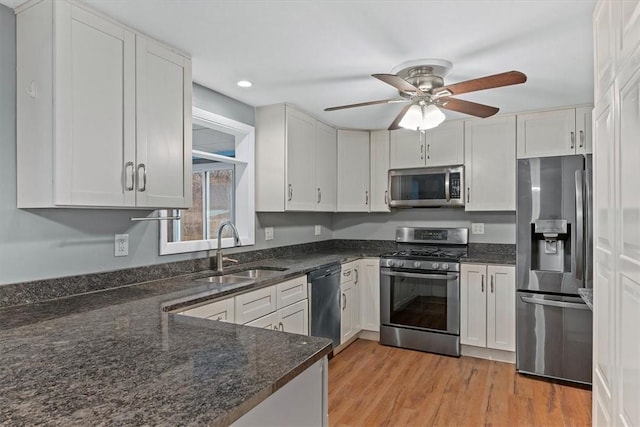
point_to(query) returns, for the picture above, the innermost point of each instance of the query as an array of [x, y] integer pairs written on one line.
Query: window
[[223, 153]]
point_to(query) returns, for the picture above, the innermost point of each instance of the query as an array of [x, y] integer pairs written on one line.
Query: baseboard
[[488, 353], [369, 335]]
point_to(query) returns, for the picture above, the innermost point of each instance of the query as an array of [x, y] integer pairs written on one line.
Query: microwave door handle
[[447, 186]]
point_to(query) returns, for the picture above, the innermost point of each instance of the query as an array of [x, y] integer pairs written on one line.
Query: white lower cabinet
[[223, 310], [350, 322], [370, 294], [281, 307], [487, 306]]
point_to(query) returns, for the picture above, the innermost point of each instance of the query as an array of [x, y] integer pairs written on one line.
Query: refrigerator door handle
[[588, 228], [551, 303], [579, 273]]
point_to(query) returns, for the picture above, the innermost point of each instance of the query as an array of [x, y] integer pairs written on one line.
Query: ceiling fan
[[420, 83]]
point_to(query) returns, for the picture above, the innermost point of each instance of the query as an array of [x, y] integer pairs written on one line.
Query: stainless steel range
[[420, 289]]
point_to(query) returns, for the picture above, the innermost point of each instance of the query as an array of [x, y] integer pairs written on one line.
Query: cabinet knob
[[573, 140], [319, 195], [366, 197], [581, 138], [290, 192]]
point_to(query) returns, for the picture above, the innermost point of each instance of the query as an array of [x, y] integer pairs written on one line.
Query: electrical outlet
[[477, 228], [121, 245], [268, 233], [318, 230]]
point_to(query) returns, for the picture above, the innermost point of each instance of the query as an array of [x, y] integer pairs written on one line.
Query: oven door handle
[[560, 304], [452, 276]]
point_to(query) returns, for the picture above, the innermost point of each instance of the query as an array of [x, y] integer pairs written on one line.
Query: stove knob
[[434, 265], [391, 263], [417, 264], [400, 263], [444, 266]]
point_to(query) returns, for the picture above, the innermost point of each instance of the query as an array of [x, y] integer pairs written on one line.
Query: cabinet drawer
[[219, 310], [291, 291], [253, 305], [348, 273], [270, 321]]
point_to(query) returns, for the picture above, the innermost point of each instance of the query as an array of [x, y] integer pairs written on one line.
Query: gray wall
[[498, 227]]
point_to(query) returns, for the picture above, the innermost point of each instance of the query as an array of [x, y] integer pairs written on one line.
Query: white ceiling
[[317, 54]]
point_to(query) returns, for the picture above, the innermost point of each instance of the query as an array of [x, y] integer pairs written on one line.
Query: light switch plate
[[477, 228], [121, 242], [268, 233], [318, 230]]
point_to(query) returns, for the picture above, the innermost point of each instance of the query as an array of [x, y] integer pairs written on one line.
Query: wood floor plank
[[375, 385]]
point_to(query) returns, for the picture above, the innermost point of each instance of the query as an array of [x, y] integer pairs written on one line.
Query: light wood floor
[[375, 385]]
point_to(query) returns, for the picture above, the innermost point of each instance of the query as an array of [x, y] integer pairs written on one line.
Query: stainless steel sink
[[225, 280], [257, 273]]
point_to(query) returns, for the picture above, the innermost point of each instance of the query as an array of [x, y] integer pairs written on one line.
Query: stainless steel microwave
[[426, 187]]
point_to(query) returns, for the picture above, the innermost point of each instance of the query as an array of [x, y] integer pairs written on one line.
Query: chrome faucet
[[219, 257]]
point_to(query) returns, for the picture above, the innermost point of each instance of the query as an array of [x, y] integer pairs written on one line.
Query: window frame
[[244, 177]]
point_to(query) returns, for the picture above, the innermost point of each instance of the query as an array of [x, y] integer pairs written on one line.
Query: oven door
[[420, 300]]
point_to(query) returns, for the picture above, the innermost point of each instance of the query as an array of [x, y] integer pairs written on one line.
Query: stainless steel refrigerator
[[554, 260]]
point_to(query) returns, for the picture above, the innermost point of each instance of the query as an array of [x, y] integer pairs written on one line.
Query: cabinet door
[[295, 318], [473, 305], [501, 307], [628, 26], [353, 171], [604, 52], [291, 291], [325, 160], [583, 130], [406, 150], [346, 317], [604, 318], [445, 144], [94, 110], [163, 119], [490, 164], [270, 321], [255, 304], [379, 150], [301, 184], [220, 310], [370, 294], [549, 133]]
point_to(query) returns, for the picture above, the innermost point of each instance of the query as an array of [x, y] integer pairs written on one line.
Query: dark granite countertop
[[119, 357]]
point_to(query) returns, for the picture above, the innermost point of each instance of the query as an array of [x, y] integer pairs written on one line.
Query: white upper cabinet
[[440, 146], [295, 161], [86, 146], [379, 161], [490, 164], [554, 133], [353, 171], [605, 48], [325, 167], [301, 188]]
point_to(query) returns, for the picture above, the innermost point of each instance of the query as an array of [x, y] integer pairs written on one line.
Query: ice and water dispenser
[[551, 245]]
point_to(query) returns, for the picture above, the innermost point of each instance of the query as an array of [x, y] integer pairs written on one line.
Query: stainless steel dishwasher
[[325, 303]]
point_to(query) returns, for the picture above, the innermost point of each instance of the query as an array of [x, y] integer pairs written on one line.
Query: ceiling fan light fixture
[[420, 117]]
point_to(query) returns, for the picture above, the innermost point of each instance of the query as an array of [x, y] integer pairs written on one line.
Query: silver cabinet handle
[[133, 175], [281, 326], [581, 138], [347, 273], [344, 301], [275, 327], [428, 151], [551, 303], [492, 283], [144, 177], [219, 318], [386, 197], [482, 283], [366, 197], [573, 140], [421, 152], [356, 281], [290, 192], [468, 194], [319, 195]]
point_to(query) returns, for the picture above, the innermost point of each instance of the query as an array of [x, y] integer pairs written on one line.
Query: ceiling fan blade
[[497, 80], [468, 107], [398, 82], [395, 124], [364, 104]]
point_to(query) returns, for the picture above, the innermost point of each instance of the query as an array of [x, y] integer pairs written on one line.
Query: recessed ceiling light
[[244, 83]]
